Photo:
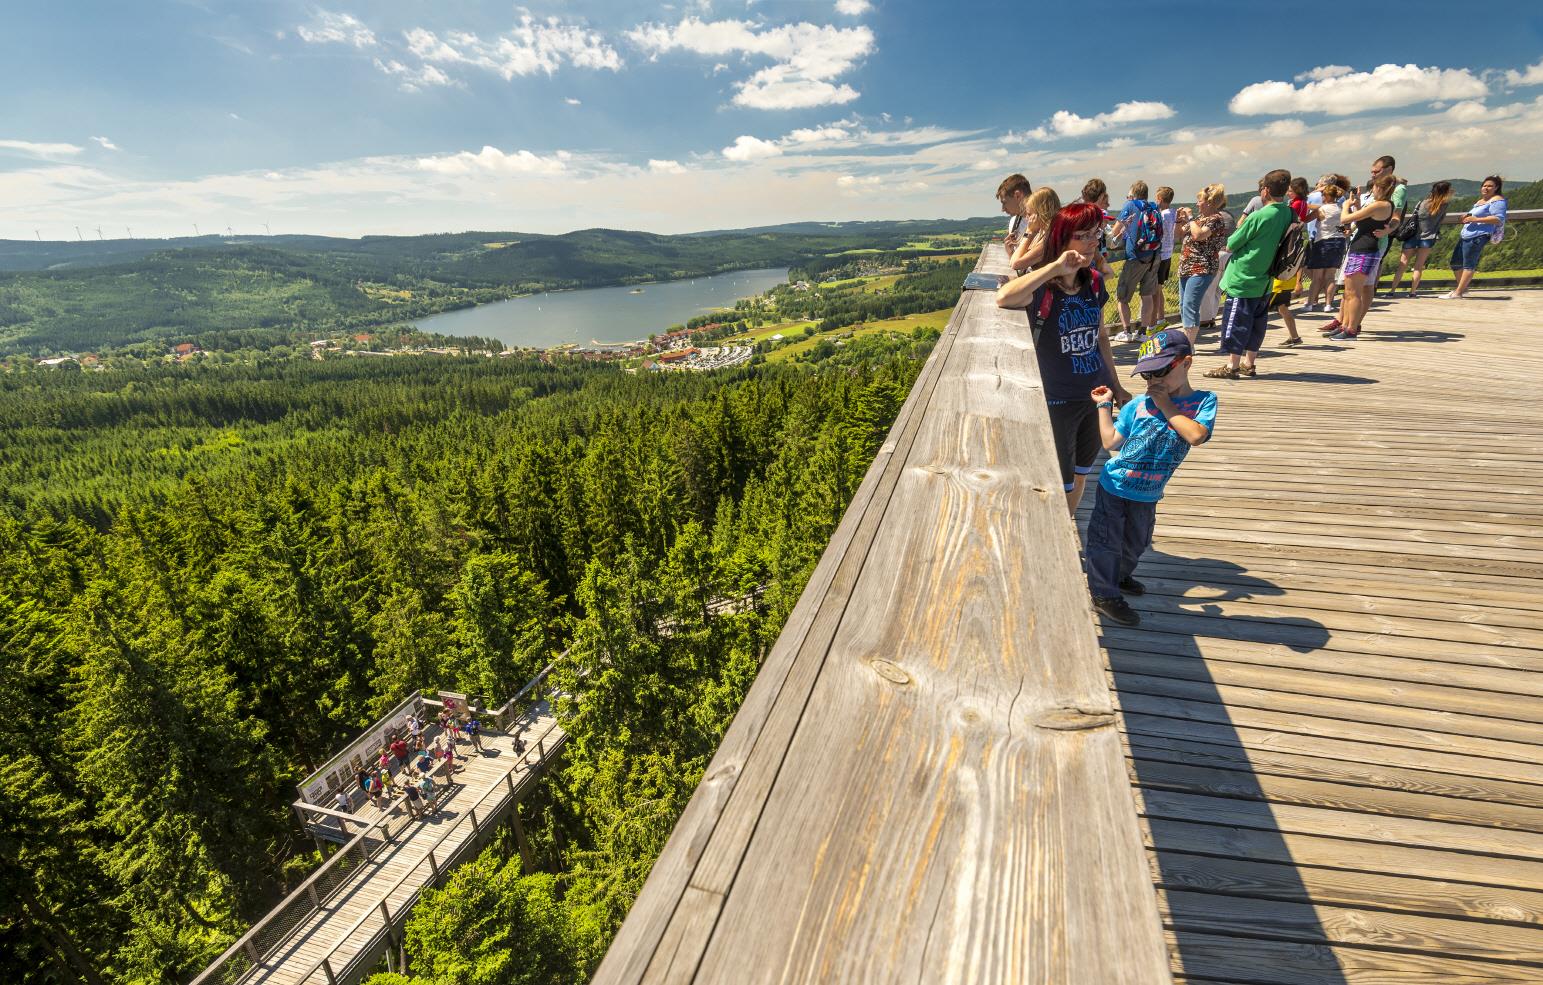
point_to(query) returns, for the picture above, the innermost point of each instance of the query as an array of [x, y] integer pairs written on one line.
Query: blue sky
[[405, 116]]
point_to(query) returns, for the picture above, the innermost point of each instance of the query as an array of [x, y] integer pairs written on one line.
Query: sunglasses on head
[[1158, 374]]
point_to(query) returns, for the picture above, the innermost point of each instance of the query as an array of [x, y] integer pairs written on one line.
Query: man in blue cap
[[1146, 444]]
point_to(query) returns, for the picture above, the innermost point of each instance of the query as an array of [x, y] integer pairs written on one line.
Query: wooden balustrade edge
[[925, 782]]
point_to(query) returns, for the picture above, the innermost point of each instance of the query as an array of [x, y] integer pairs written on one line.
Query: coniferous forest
[[211, 575]]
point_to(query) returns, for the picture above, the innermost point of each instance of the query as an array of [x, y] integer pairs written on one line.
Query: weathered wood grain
[[936, 792]]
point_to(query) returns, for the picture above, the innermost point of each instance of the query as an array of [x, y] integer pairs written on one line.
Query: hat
[[1160, 349]]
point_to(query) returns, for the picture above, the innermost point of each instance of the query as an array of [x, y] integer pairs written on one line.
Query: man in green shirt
[[1247, 278]]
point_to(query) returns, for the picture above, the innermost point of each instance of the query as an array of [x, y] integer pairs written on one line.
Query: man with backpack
[[1255, 246], [1141, 224]]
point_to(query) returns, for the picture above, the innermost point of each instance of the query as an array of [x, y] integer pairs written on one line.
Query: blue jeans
[[1465, 255], [1119, 532], [1191, 294]]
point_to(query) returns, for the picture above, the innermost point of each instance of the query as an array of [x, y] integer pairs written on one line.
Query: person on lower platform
[[1149, 439]]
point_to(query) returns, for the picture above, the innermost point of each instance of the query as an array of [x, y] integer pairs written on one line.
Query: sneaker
[[1449, 296], [1131, 586], [1117, 609], [1288, 343], [1332, 326], [1120, 336], [1343, 336], [1162, 323]]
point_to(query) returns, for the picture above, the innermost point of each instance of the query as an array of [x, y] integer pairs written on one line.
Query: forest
[[213, 574]]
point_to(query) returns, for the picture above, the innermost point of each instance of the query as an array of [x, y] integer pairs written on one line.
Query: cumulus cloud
[[414, 79], [1324, 72], [666, 167], [1341, 94], [1285, 128], [105, 143], [331, 28], [532, 46], [1468, 111], [44, 150], [751, 148], [1532, 75], [816, 135], [853, 8], [491, 160], [1065, 123], [807, 58], [573, 102], [1115, 143]]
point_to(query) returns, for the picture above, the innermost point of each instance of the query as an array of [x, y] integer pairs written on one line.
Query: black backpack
[[1408, 227], [1291, 252]]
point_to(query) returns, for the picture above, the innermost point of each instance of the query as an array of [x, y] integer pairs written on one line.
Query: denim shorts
[[1419, 244], [1326, 254], [1465, 255]]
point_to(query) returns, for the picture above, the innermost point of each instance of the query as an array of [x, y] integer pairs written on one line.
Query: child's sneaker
[[1294, 341], [1131, 586], [1118, 609]]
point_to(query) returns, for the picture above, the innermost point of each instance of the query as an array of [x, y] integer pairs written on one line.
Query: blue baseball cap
[[1160, 349]]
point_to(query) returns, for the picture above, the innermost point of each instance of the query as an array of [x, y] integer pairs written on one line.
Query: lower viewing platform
[[1316, 762]]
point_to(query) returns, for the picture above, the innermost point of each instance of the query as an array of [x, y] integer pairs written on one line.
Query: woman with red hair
[[1065, 301]]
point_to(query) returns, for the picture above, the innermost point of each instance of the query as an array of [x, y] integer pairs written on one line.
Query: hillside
[[270, 290]]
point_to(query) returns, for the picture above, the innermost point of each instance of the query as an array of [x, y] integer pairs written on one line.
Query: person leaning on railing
[[1483, 223]]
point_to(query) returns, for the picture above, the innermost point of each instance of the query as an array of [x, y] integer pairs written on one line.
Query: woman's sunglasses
[[1158, 374]]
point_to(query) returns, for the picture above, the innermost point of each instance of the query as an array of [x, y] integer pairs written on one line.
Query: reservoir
[[602, 314]]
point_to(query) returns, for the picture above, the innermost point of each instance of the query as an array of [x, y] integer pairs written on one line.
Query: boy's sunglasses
[[1158, 374]]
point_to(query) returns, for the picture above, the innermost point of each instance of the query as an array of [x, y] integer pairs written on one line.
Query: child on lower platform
[[1151, 437]]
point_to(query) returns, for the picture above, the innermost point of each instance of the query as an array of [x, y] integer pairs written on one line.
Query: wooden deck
[[1333, 711], [348, 929]]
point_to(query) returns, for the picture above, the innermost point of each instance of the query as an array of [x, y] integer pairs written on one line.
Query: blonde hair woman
[[1040, 208], [1199, 262]]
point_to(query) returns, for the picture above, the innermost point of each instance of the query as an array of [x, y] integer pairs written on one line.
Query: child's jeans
[[1118, 534]]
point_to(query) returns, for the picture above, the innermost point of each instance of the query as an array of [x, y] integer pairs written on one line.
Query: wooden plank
[[1354, 888], [1208, 957], [922, 821], [1205, 913]]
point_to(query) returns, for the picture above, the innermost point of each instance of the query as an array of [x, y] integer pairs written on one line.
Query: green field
[[903, 326]]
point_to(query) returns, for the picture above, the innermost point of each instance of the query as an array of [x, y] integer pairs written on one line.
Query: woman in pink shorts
[[1362, 258]]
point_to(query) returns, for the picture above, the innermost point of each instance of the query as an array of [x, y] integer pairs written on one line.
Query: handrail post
[[326, 969], [434, 864], [251, 953], [315, 896]]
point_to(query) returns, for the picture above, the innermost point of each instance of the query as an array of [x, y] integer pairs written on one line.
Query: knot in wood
[[1073, 719], [890, 672]]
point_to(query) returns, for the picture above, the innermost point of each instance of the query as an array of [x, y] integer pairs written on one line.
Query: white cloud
[[1065, 123], [105, 143], [414, 79], [751, 149], [491, 160], [1324, 72], [573, 102], [331, 28], [1183, 136], [532, 46], [807, 58], [1469, 111], [666, 167], [1116, 143], [816, 135], [1285, 128], [43, 150], [1384, 87], [853, 8], [852, 181], [1532, 75]]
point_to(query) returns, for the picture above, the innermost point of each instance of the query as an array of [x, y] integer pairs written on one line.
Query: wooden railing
[[925, 781]]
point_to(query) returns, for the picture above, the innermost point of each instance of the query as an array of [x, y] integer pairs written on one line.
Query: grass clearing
[[904, 325]]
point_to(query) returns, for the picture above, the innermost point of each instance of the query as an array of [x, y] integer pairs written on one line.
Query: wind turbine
[[267, 230], [39, 234], [129, 231], [78, 236], [99, 232], [228, 232], [195, 230]]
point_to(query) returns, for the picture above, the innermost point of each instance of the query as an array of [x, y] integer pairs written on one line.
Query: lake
[[602, 314]]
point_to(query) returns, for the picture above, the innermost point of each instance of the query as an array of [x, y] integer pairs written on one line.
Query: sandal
[[1248, 372], [1222, 373]]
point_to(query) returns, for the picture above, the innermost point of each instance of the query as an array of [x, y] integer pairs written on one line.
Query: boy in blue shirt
[[1146, 445]]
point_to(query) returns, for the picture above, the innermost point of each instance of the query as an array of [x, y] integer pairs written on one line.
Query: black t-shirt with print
[[1066, 340]]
